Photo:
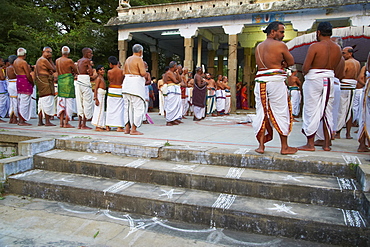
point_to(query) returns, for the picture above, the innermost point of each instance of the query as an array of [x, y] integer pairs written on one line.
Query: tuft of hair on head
[[198, 69], [65, 50], [113, 60], [12, 58], [272, 26], [46, 47], [21, 51], [325, 28], [172, 64], [137, 48], [99, 67], [85, 50]]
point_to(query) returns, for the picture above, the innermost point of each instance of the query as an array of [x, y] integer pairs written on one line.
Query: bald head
[[347, 52]]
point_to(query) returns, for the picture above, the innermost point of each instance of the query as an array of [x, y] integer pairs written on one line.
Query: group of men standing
[[181, 93], [125, 99], [332, 81]]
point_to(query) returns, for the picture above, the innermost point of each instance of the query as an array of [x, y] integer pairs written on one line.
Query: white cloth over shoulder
[[98, 118], [84, 96], [318, 97]]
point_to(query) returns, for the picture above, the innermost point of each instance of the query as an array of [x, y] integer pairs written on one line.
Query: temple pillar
[[122, 47], [247, 71], [220, 65], [188, 33], [123, 38], [199, 51], [211, 62], [155, 61], [233, 32]]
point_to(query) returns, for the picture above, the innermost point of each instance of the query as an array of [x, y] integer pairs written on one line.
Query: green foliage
[[353, 166]]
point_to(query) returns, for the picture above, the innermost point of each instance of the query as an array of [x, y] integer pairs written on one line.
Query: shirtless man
[[24, 87], [98, 119], [4, 96], [211, 95], [115, 102], [45, 86], [323, 62], [173, 98], [295, 94], [12, 89], [84, 94], [348, 85], [272, 56], [225, 82], [364, 122], [133, 89], [148, 82], [66, 70]]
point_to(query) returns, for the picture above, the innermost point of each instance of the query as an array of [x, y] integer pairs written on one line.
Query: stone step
[[263, 216], [236, 157], [285, 186]]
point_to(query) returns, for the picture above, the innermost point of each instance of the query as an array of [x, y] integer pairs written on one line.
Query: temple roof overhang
[[209, 11]]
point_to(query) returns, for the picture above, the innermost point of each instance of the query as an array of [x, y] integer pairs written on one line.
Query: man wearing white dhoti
[[98, 118], [364, 120], [84, 94], [133, 89], [211, 95], [66, 70], [272, 101], [24, 87], [321, 60], [173, 99], [12, 90], [4, 95], [357, 100], [45, 86], [115, 101], [347, 87], [295, 94]]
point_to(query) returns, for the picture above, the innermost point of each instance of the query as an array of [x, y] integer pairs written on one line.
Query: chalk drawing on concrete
[[143, 224], [346, 184], [25, 174], [137, 163], [235, 172], [67, 180], [290, 177], [224, 201], [170, 193], [351, 159], [242, 151], [122, 185], [54, 151], [87, 157], [77, 211], [353, 218], [184, 167], [282, 208]]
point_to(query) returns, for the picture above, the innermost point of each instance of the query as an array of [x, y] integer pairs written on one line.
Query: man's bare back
[[134, 65], [115, 76], [322, 55], [21, 68], [84, 64], [10, 72], [352, 69], [271, 54], [65, 65]]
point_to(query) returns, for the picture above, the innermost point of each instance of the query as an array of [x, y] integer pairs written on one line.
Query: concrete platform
[[256, 215], [207, 172]]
